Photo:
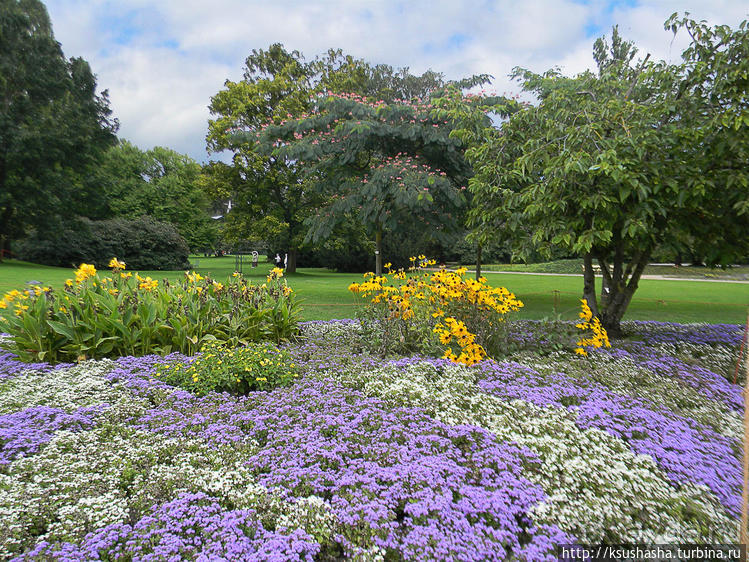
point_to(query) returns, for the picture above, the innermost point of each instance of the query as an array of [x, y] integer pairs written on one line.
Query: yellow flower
[[3, 304], [63, 309], [275, 273], [68, 282], [116, 264], [147, 283], [85, 271]]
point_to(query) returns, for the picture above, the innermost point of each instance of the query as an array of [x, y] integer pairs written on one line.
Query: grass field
[[736, 272], [325, 293]]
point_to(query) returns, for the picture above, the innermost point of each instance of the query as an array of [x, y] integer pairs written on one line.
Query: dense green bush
[[237, 370], [125, 314], [142, 243]]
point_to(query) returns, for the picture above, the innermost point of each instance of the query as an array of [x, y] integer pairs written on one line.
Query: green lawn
[[739, 272], [325, 293]]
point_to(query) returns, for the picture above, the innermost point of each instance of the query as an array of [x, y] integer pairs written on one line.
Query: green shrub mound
[[237, 370], [143, 243]]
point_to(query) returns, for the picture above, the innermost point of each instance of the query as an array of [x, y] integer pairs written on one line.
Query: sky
[[162, 60]]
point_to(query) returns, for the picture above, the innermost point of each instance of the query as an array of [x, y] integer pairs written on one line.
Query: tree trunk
[[378, 251], [589, 284], [478, 262], [621, 292], [291, 264]]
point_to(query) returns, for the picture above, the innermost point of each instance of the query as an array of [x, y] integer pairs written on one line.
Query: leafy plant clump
[[438, 312], [241, 370], [126, 314]]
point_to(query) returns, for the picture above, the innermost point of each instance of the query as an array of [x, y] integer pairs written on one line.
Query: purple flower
[[22, 433], [192, 526]]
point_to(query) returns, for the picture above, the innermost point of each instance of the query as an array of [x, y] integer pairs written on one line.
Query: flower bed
[[366, 458]]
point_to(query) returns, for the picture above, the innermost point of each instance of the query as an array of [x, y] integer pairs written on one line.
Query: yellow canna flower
[[85, 271], [116, 264]]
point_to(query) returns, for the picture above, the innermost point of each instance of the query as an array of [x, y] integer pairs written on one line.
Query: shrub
[[143, 243], [406, 311], [237, 370], [126, 314]]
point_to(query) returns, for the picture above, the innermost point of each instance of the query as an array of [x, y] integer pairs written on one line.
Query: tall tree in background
[[275, 193], [162, 184], [53, 124], [267, 192]]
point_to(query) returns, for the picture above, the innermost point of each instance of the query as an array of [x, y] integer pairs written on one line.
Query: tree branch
[[636, 76]]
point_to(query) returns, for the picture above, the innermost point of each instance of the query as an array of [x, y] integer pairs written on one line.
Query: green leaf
[[62, 329]]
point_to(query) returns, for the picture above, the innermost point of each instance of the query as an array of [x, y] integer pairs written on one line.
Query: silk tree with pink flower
[[389, 165]]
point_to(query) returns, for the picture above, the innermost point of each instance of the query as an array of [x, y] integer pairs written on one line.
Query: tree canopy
[[53, 124], [284, 191], [162, 184], [610, 164], [267, 192], [388, 165]]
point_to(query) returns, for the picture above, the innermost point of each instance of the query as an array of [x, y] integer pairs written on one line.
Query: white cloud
[[162, 60]]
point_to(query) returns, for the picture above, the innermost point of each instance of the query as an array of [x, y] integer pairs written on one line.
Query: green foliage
[[279, 193], [610, 165], [142, 243], [54, 125], [94, 317], [268, 193], [240, 370], [162, 184], [388, 165]]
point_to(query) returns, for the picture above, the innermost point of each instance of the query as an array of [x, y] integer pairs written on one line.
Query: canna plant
[[125, 314]]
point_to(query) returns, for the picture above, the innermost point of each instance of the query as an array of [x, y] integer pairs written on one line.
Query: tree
[[714, 84], [267, 192], [162, 184], [473, 126], [275, 191], [608, 165], [53, 125], [388, 164]]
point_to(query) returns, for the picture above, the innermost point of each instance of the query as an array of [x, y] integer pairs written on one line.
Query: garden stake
[[743, 540]]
